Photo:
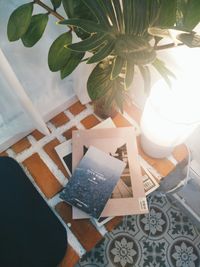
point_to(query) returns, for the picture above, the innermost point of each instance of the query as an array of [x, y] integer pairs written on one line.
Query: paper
[[93, 181]]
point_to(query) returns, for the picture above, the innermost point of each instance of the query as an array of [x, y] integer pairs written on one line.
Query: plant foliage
[[35, 30], [120, 35], [19, 22]]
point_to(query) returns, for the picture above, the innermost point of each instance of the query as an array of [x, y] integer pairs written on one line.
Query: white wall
[[47, 91]]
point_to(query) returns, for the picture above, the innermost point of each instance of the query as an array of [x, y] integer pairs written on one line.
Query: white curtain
[[43, 90], [13, 118]]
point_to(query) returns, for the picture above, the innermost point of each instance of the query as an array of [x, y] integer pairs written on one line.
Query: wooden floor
[[38, 157]]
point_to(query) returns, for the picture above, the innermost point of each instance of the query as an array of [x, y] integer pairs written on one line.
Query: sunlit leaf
[[117, 67], [129, 73], [143, 57], [145, 72], [119, 95], [189, 39], [109, 98], [159, 32], [163, 71]]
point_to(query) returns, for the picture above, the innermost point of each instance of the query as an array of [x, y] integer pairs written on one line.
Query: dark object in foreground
[[30, 233]]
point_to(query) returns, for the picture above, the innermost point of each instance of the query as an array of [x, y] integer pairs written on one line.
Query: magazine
[[93, 181], [128, 196]]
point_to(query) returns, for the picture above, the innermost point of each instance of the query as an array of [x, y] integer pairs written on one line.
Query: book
[[93, 181], [128, 196]]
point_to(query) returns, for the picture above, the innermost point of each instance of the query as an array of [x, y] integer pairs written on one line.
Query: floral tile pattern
[[163, 238]]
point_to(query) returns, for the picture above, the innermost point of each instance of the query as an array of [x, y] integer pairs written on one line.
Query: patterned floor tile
[[163, 238]]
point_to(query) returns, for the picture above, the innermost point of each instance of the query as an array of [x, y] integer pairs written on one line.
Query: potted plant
[[120, 36]]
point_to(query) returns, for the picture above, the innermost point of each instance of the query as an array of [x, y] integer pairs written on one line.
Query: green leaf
[[118, 64], [19, 21], [127, 10], [119, 96], [109, 99], [129, 73], [192, 14], [90, 43], [167, 14], [143, 57], [140, 18], [136, 48], [58, 53], [35, 30], [119, 15], [115, 96], [56, 3], [132, 17], [96, 8], [144, 70], [72, 63], [159, 32], [85, 25], [102, 53], [189, 39], [109, 10], [163, 71], [99, 86], [77, 9], [99, 81], [154, 12], [69, 6]]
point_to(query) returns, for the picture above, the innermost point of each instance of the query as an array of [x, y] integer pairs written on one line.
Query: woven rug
[[163, 238]]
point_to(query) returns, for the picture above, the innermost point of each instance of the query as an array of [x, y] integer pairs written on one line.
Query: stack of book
[[106, 175]]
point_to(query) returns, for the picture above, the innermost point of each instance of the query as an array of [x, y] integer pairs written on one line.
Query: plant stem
[[171, 45], [50, 10]]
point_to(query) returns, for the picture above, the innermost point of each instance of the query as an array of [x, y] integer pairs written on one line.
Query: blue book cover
[[93, 181]]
